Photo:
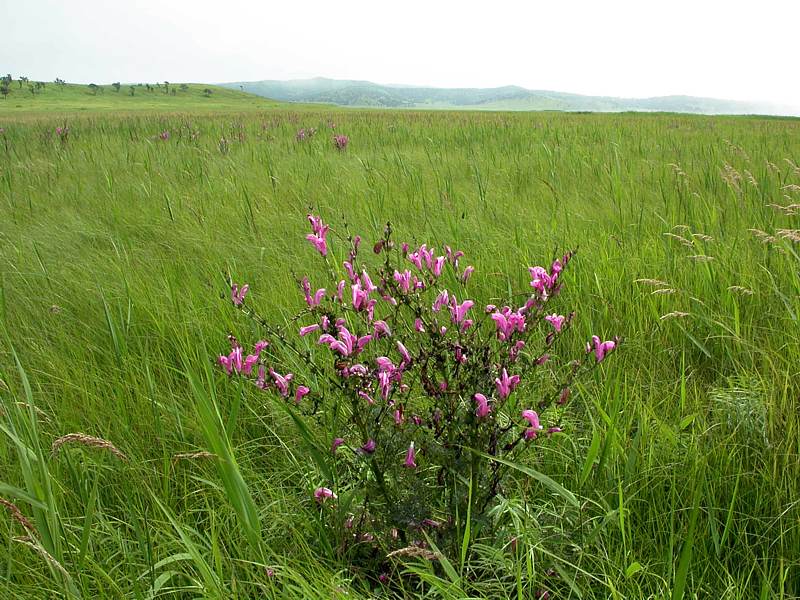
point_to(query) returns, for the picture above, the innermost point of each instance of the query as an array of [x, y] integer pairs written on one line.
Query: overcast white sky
[[733, 49]]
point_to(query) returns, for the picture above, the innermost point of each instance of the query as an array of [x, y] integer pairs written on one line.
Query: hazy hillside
[[365, 93]]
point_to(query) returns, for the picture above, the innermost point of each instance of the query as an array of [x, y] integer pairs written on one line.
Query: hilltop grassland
[[115, 243], [21, 102]]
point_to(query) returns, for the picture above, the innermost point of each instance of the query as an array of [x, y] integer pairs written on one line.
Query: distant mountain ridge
[[368, 94]]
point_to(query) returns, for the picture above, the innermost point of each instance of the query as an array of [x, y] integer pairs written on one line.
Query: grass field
[[683, 450], [71, 99]]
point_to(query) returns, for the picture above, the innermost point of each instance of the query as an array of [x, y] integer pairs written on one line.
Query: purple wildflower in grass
[[164, 136], [483, 406], [335, 444], [601, 349], [533, 421], [506, 384], [319, 235], [322, 493], [301, 392], [411, 457], [369, 446], [237, 295], [341, 141], [557, 321]]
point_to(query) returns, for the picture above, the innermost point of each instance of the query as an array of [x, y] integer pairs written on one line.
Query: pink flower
[[459, 311], [336, 443], [318, 237], [505, 384], [366, 282], [319, 242], [467, 273], [403, 352], [367, 397], [340, 142], [541, 280], [601, 349], [304, 331], [369, 446], [533, 424], [301, 392], [513, 353], [441, 301], [237, 295], [553, 430], [333, 344], [557, 321], [348, 266], [385, 364], [380, 328], [281, 381], [410, 461], [418, 326], [437, 266], [403, 280], [322, 493], [316, 298], [483, 406]]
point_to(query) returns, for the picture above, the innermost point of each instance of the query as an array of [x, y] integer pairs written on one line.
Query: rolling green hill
[[67, 98], [367, 94]]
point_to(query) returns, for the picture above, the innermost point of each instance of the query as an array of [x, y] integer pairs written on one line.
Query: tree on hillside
[[166, 87], [133, 90], [184, 87], [22, 80], [60, 82], [4, 90], [93, 87], [32, 90], [207, 92], [116, 85]]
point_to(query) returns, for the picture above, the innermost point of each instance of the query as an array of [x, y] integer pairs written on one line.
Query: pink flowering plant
[[415, 399]]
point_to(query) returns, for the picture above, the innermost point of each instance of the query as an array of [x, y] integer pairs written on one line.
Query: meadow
[[115, 247]]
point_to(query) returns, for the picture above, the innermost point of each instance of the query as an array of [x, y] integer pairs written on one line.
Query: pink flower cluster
[[318, 237], [340, 141]]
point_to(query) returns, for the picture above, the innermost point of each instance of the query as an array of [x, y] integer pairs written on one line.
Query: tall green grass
[[682, 455]]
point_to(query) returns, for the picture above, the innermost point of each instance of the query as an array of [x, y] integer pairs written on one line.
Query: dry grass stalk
[[17, 515], [86, 440], [676, 314], [663, 291], [793, 235], [681, 239], [792, 187], [740, 290], [701, 258], [653, 282], [413, 552], [4, 386], [37, 547], [763, 236], [193, 456], [703, 236], [789, 209], [732, 177]]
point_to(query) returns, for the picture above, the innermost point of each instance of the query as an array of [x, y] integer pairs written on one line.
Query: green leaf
[[540, 477]]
